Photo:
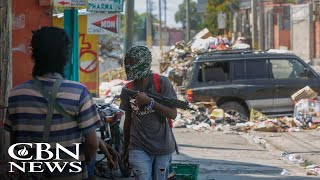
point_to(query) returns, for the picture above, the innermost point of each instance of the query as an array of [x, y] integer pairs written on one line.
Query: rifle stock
[[161, 99]]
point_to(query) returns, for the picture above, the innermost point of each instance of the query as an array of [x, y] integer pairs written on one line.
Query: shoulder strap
[[47, 96], [157, 84], [51, 99], [130, 84]]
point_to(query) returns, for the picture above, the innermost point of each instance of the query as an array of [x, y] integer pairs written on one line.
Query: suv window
[[214, 72], [287, 69], [257, 69], [238, 70]]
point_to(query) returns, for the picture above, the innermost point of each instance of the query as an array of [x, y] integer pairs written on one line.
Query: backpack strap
[[130, 85], [157, 84], [51, 97], [47, 96]]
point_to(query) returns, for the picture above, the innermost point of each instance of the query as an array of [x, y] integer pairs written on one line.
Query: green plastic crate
[[184, 171]]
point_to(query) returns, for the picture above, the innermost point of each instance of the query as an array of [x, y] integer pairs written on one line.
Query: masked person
[[149, 141], [49, 109]]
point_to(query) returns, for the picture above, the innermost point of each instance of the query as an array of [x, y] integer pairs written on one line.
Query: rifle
[[162, 99]]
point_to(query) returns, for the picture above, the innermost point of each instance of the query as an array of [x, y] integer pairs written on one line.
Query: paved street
[[230, 156], [304, 143]]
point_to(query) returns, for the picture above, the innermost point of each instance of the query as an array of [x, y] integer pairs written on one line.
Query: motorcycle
[[111, 132]]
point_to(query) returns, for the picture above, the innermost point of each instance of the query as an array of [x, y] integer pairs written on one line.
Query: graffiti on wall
[[88, 57]]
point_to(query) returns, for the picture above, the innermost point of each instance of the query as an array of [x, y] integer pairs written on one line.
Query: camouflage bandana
[[142, 68]]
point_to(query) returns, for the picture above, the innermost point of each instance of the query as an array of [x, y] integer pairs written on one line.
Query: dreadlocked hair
[[50, 50]]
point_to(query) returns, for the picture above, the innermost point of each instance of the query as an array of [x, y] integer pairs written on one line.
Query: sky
[[172, 8]]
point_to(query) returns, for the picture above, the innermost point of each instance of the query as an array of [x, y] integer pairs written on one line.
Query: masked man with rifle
[[149, 140]]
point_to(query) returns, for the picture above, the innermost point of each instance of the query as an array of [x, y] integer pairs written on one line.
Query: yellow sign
[[89, 64]]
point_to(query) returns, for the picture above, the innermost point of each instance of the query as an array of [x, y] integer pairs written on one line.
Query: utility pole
[[5, 70], [261, 27], [160, 27], [254, 33], [129, 25], [188, 19], [149, 23], [165, 22]]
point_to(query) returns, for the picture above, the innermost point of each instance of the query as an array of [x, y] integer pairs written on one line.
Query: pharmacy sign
[[105, 5]]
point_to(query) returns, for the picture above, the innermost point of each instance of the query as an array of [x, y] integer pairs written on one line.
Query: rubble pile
[[110, 58], [118, 73], [113, 87], [178, 59], [306, 116]]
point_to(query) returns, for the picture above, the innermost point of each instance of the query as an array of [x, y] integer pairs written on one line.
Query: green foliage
[[216, 6], [138, 22], [139, 25], [195, 18]]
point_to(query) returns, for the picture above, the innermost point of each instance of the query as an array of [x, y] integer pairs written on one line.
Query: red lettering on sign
[[109, 24]]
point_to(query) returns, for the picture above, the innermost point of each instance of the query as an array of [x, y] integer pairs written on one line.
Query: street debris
[[118, 73], [294, 158], [200, 127], [304, 93], [313, 170], [307, 111], [217, 119], [241, 44], [257, 116], [113, 87], [285, 172], [268, 126], [306, 116]]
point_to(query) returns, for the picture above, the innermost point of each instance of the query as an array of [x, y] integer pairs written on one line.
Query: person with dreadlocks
[[149, 140], [50, 109]]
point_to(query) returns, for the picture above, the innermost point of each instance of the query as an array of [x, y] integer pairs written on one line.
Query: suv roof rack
[[231, 51]]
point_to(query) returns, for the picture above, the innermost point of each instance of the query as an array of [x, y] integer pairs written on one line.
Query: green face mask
[[138, 63]]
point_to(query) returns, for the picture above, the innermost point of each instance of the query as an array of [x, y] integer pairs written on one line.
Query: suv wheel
[[234, 109]]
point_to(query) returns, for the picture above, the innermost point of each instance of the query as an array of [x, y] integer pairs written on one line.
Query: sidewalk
[[304, 143]]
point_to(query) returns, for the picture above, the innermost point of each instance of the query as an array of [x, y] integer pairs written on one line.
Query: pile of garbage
[[179, 58], [306, 116], [111, 88], [207, 117], [110, 58], [118, 73]]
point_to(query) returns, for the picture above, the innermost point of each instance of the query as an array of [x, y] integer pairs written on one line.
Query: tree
[[216, 6], [195, 18]]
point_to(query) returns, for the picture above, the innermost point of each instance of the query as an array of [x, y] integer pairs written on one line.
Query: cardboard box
[[304, 93], [203, 34]]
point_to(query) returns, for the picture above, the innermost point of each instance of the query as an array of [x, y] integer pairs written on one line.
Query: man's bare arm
[[91, 146]]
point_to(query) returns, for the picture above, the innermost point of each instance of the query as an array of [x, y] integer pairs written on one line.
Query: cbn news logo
[[40, 163]]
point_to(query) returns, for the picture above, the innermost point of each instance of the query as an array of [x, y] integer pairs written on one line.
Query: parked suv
[[239, 80]]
